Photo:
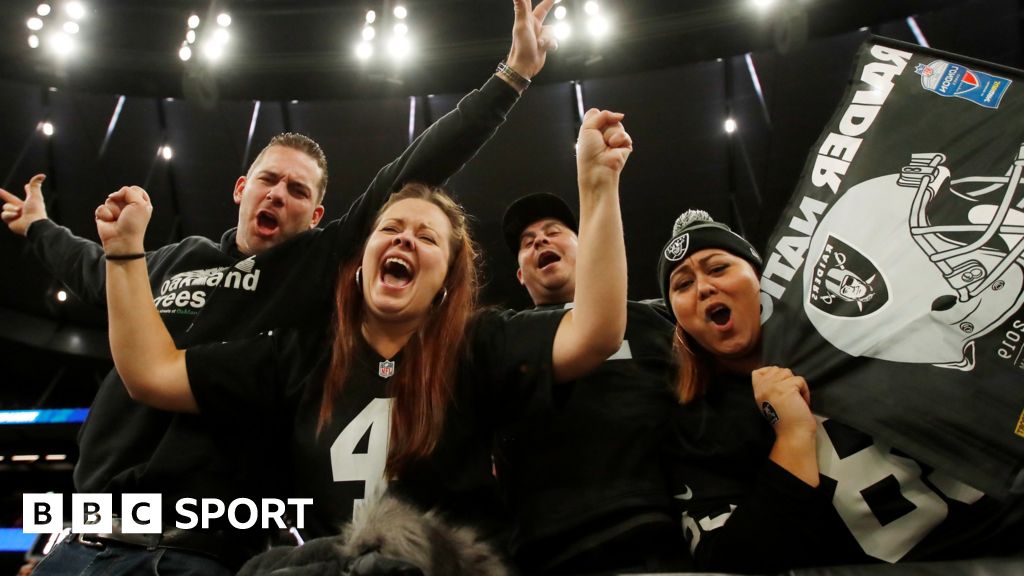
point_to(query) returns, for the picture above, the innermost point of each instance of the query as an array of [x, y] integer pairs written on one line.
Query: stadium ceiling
[[305, 50]]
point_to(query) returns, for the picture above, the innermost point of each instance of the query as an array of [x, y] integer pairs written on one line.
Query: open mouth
[[547, 257], [719, 314], [396, 272], [266, 222]]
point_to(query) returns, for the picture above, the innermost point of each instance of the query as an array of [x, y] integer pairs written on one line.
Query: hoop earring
[[359, 277]]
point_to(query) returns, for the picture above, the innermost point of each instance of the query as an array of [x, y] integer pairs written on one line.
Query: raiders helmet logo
[[845, 282], [677, 248]]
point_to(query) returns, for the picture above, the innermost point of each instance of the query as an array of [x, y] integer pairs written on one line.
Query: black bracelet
[[135, 256]]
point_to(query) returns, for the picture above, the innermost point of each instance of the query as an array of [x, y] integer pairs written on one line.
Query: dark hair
[[304, 144], [423, 383]]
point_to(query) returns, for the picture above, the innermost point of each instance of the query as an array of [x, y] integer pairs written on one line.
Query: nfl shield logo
[[386, 368]]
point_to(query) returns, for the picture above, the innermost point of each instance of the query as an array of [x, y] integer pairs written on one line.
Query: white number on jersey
[[346, 465], [871, 465]]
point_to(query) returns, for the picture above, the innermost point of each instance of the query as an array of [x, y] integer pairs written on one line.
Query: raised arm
[[454, 139], [152, 368], [594, 329], [75, 262]]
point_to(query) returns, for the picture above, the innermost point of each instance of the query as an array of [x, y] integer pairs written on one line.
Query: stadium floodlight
[[75, 10], [364, 50]]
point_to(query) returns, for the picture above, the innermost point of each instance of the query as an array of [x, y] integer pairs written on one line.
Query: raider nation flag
[[895, 280]]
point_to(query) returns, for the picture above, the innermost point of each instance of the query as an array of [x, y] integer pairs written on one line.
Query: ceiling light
[[166, 152], [591, 7], [563, 30], [75, 9], [34, 23], [730, 125], [213, 50], [399, 47], [47, 128], [560, 13], [190, 36], [371, 16], [368, 33], [71, 27], [763, 4], [598, 26], [221, 36], [62, 295], [364, 51], [56, 457], [33, 41], [43, 9], [401, 29], [193, 21], [61, 44], [401, 12], [224, 19], [185, 53]]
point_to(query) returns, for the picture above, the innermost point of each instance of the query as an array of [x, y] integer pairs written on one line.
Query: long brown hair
[[422, 385], [693, 364]]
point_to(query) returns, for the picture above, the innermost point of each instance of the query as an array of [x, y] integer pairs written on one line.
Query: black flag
[[894, 282]]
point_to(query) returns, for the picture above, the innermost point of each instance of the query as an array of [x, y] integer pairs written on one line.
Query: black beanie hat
[[693, 231], [531, 208]]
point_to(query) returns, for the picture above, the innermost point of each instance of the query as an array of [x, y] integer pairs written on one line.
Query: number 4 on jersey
[[374, 424]]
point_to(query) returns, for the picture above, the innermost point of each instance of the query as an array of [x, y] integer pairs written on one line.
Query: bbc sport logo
[[142, 513]]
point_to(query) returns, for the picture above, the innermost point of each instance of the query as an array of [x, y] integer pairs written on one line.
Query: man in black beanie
[[581, 467]]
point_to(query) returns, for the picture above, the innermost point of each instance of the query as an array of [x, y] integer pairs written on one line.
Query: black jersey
[[580, 462], [742, 512], [277, 380], [209, 292]]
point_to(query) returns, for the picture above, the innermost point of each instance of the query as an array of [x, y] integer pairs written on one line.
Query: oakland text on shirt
[[187, 292]]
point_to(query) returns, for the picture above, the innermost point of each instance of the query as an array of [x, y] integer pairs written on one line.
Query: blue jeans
[[73, 558]]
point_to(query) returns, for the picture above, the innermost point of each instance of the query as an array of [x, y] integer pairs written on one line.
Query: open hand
[[531, 40], [18, 214]]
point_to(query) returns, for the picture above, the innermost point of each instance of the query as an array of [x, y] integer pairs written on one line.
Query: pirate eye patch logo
[[949, 79], [677, 249], [846, 283]]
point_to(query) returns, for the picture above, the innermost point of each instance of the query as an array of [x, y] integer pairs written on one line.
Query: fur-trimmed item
[[397, 529], [387, 538]]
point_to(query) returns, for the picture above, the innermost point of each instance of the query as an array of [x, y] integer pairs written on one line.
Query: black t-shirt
[[742, 512], [276, 380], [580, 463]]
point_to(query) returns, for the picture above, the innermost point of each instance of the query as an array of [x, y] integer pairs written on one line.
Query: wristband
[[518, 80], [135, 256]]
